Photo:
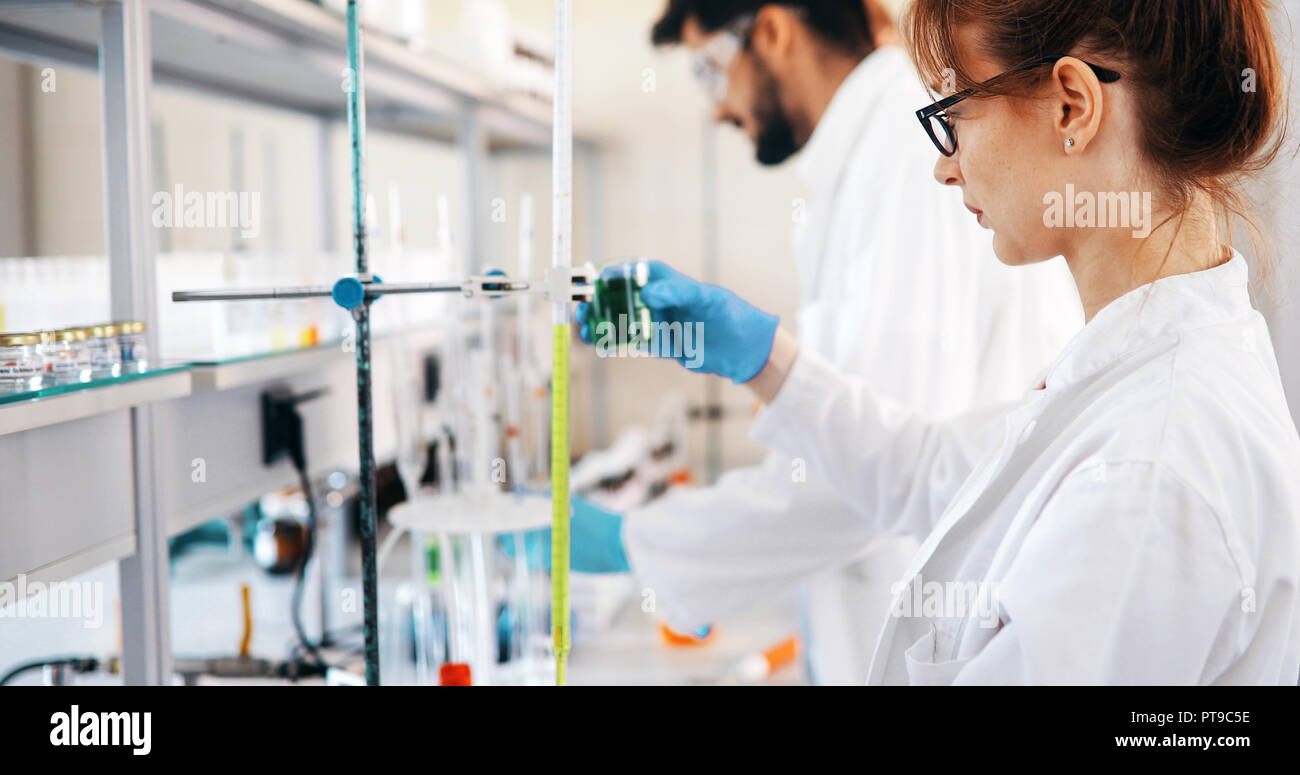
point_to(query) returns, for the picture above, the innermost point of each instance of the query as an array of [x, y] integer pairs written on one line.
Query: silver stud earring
[[1069, 142]]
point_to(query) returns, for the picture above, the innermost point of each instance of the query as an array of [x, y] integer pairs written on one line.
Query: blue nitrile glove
[[730, 337], [595, 541], [733, 338]]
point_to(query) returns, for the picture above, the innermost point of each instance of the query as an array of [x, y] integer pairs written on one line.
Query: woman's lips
[[979, 214]]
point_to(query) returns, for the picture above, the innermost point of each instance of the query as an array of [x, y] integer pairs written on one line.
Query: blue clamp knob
[[349, 293], [494, 286]]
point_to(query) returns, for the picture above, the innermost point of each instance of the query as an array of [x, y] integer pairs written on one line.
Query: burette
[[562, 261], [562, 285]]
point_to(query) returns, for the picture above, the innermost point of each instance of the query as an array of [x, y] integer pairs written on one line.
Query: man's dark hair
[[842, 24]]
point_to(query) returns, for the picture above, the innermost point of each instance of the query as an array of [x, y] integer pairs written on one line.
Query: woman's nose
[[947, 171]]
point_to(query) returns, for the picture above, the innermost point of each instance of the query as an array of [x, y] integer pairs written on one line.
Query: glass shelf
[[211, 362], [77, 387], [216, 373]]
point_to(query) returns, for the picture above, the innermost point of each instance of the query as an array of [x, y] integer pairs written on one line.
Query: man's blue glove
[[729, 336], [595, 541]]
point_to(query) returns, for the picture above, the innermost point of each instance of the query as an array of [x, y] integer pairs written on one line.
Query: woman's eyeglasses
[[938, 125]]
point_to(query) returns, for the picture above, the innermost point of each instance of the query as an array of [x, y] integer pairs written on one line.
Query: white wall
[[67, 206], [14, 174]]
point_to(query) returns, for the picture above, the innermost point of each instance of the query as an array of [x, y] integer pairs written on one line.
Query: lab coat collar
[[823, 158], [1163, 308]]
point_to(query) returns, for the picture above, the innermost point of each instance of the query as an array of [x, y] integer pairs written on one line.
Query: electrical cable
[[80, 664], [300, 577]]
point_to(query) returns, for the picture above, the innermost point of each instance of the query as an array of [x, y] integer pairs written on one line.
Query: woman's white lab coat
[[1136, 521], [896, 280]]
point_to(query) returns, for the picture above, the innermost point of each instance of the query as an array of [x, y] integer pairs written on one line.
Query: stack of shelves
[[107, 471]]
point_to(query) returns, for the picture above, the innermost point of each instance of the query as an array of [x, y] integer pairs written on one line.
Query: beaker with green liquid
[[618, 315]]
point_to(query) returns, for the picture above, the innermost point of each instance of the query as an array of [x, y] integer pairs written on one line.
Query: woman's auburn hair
[[1206, 74]]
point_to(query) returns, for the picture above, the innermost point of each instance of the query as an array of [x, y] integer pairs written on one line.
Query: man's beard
[[775, 142]]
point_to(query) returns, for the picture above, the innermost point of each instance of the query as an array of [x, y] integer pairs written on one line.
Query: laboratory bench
[[627, 650]]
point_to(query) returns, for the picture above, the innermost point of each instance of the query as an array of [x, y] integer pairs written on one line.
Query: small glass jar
[[21, 365], [618, 315], [67, 356], [134, 346], [105, 352]]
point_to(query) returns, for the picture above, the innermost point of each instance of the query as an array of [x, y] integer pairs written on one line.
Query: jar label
[[20, 368], [67, 363]]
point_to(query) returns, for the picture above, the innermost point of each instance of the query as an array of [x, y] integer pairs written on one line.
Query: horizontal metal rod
[[384, 289], [372, 290], [253, 293]]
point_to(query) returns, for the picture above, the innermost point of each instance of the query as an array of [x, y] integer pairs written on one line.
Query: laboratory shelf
[[291, 54], [64, 403], [226, 374], [82, 560], [266, 367]]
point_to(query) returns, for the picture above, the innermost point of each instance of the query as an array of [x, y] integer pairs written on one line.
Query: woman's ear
[[1077, 95]]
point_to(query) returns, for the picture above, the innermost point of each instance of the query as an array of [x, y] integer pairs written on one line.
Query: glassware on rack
[[428, 607], [105, 352], [66, 355], [133, 345], [21, 366]]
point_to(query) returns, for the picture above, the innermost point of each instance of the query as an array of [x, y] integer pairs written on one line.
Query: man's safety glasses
[[713, 60], [939, 126]]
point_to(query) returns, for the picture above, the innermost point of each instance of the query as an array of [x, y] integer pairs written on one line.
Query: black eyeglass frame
[[937, 108]]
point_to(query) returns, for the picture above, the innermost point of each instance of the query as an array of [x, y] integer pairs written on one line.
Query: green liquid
[[617, 302]]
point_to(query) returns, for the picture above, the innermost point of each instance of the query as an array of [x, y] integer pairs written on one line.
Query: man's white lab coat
[[1135, 521], [898, 282]]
